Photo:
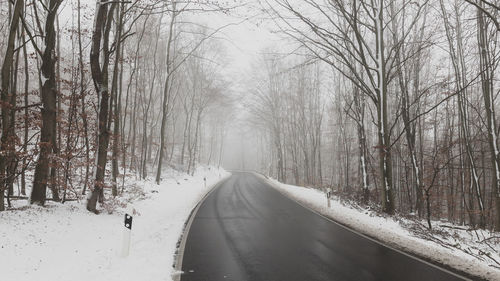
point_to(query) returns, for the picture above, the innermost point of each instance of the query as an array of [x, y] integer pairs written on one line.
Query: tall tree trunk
[[26, 119], [49, 110], [166, 94], [12, 159], [54, 169], [102, 27], [114, 92], [6, 147], [382, 115], [83, 94]]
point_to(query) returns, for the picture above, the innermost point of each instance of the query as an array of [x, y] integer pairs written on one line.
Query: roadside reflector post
[[328, 196], [205, 181], [127, 232]]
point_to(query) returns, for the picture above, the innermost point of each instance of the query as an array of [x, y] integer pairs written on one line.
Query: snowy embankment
[[65, 242], [462, 249]]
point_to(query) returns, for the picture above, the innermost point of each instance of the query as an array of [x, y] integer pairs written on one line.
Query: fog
[[391, 102]]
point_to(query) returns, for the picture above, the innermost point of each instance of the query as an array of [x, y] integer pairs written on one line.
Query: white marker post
[[328, 195], [205, 180], [127, 232]]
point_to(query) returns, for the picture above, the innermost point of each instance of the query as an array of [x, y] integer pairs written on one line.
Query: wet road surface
[[247, 231]]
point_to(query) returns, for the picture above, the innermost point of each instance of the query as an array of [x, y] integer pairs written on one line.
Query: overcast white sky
[[244, 40]]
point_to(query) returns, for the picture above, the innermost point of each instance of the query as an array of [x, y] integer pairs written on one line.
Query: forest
[[96, 91], [391, 103]]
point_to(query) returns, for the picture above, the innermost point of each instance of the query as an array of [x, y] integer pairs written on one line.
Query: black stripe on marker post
[[128, 221]]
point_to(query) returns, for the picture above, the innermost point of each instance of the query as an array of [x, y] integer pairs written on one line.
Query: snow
[[66, 242], [363, 169], [43, 79], [463, 250]]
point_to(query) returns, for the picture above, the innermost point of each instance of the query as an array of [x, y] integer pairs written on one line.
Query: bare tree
[[49, 111], [7, 94], [100, 45]]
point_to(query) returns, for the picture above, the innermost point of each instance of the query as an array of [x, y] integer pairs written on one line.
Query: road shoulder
[[181, 244]]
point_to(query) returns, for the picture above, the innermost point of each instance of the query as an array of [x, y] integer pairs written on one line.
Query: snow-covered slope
[[65, 242], [456, 248]]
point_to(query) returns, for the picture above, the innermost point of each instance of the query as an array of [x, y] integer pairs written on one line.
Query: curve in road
[[245, 230]]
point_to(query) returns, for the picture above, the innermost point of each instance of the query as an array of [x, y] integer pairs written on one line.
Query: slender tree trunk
[[382, 115], [166, 95], [12, 159], [26, 119], [83, 94], [114, 92]]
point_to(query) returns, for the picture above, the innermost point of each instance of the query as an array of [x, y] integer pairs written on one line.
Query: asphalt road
[[245, 230]]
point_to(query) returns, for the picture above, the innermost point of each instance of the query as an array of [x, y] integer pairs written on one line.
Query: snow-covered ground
[[474, 252], [65, 242]]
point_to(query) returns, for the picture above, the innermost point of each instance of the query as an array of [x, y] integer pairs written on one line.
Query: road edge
[[436, 264], [181, 243]]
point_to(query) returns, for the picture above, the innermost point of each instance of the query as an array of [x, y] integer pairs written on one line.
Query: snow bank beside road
[[65, 242], [394, 234]]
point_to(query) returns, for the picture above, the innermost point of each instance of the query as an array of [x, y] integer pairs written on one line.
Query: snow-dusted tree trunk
[[359, 106], [384, 141], [49, 110], [100, 44]]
